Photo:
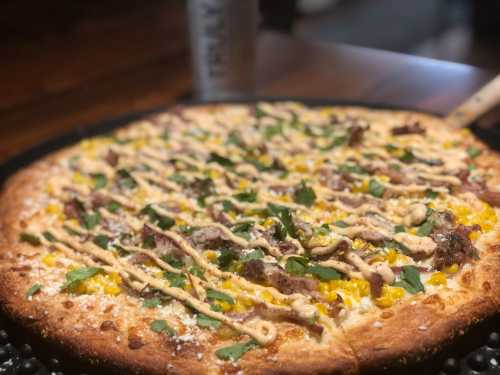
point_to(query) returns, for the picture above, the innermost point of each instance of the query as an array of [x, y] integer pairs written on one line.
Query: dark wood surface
[[101, 68]]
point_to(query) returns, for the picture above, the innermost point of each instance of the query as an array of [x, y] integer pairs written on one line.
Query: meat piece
[[477, 188], [442, 219], [304, 229], [254, 270], [372, 236], [356, 135], [138, 258], [288, 284], [164, 245], [354, 201], [414, 128], [201, 187], [280, 189], [287, 247], [73, 209], [286, 315], [219, 215], [334, 180], [112, 158], [99, 200], [211, 237], [453, 246], [376, 283]]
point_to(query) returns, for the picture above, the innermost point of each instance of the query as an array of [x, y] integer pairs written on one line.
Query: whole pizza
[[256, 239]]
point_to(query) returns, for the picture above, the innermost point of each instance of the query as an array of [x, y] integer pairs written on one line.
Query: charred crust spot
[[135, 342], [467, 278], [387, 314], [68, 304], [434, 300], [486, 286], [109, 325], [24, 268]]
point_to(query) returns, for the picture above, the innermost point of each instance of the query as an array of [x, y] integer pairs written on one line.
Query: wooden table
[[86, 76]]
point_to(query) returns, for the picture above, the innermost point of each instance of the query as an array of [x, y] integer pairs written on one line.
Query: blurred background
[[77, 62]]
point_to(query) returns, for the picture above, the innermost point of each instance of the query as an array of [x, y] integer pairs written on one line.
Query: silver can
[[223, 36]]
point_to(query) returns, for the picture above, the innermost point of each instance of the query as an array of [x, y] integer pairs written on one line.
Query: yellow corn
[[390, 294], [437, 278], [451, 269], [49, 260]]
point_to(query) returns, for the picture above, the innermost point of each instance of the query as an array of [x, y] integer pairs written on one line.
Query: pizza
[[256, 238]]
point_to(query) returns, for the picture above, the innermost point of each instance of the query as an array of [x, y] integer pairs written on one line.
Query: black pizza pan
[[476, 352]]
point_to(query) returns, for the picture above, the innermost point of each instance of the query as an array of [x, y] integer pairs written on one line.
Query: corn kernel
[[390, 294], [214, 174], [437, 278], [78, 178], [268, 223], [266, 296], [451, 269], [322, 309], [391, 256], [243, 184], [49, 260], [331, 296], [210, 255], [319, 240]]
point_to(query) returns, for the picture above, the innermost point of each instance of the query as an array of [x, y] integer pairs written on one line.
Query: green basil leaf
[[151, 303], [226, 258], [161, 326], [163, 221], [149, 242], [102, 241], [399, 229], [219, 296], [431, 194], [296, 265], [35, 288], [30, 238], [243, 229], [252, 255], [100, 180], [73, 278], [176, 280], [473, 152], [177, 178], [407, 156], [341, 224], [221, 160], [197, 271], [125, 179], [350, 168], [336, 142], [90, 220], [249, 196], [411, 276], [48, 236], [375, 188], [236, 351], [113, 207], [304, 195], [172, 260], [205, 321], [284, 214], [228, 206], [426, 228], [273, 130], [324, 273]]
